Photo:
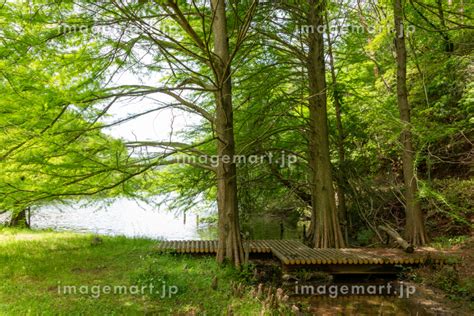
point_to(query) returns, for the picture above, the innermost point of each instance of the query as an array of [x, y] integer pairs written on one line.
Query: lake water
[[133, 218], [121, 217]]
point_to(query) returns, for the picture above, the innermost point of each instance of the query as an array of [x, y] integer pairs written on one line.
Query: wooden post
[[402, 242], [184, 218], [246, 245], [282, 230], [304, 232], [29, 216]]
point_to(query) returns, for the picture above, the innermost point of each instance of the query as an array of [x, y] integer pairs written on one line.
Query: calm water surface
[[121, 217], [133, 218]]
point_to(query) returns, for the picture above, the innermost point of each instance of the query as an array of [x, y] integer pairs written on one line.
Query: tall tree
[[325, 229], [415, 228], [337, 97], [230, 244]]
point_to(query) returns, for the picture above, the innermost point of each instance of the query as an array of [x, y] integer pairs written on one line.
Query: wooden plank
[[324, 256], [277, 251], [308, 256], [294, 252], [311, 256], [285, 250], [338, 256]]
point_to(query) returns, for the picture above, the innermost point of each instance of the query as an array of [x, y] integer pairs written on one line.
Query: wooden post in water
[[282, 230]]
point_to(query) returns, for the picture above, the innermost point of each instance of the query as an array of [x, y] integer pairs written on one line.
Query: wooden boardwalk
[[294, 252]]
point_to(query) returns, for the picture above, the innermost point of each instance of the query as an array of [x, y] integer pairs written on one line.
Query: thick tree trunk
[[414, 229], [230, 243], [325, 231], [20, 219]]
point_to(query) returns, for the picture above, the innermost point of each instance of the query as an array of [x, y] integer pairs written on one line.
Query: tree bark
[[230, 243], [325, 231], [414, 229], [341, 197], [20, 219]]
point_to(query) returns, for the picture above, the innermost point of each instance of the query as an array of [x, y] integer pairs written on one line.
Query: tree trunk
[[449, 46], [230, 243], [414, 229], [20, 219], [341, 197], [325, 231]]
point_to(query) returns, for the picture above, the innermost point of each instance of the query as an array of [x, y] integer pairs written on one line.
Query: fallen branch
[[402, 242]]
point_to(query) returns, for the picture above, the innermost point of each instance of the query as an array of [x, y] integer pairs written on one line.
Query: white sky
[[155, 126]]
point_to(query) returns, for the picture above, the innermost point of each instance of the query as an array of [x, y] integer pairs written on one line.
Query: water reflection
[[364, 305], [125, 217], [133, 218]]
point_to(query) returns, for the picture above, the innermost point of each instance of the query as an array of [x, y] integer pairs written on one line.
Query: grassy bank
[[454, 282], [37, 268]]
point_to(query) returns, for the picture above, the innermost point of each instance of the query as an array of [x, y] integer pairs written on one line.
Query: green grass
[[34, 263], [448, 242]]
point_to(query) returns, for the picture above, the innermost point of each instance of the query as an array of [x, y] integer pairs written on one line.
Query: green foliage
[[450, 202], [247, 273], [365, 237], [448, 280], [448, 242], [57, 83]]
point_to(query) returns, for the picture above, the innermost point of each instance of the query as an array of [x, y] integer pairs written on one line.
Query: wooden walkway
[[294, 252]]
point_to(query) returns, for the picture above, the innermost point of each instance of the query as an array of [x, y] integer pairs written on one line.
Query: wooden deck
[[207, 246], [294, 252]]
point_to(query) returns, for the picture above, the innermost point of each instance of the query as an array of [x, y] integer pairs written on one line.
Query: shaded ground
[[451, 284]]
